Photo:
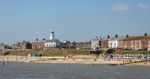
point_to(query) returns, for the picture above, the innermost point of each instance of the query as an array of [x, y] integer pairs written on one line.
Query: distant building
[[22, 45], [2, 46], [52, 43], [149, 46], [65, 44], [83, 45], [72, 45], [95, 44], [136, 43], [38, 44], [114, 42], [52, 35], [104, 43]]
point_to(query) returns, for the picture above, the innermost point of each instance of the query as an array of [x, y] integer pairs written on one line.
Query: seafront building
[[148, 45], [38, 44], [68, 45], [118, 43], [136, 43], [24, 45], [2, 46], [52, 43], [104, 43], [83, 45], [95, 44], [114, 42], [72, 45]]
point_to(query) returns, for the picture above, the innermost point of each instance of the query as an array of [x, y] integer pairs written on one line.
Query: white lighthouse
[[52, 43], [52, 35]]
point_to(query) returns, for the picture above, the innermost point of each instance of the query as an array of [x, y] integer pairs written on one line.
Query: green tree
[[110, 51], [145, 34], [127, 36]]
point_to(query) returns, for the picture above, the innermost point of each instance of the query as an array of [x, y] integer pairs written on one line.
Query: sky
[[74, 20]]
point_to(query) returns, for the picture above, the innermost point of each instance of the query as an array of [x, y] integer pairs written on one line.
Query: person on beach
[[3, 63]]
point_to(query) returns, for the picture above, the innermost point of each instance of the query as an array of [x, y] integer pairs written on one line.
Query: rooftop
[[137, 37]]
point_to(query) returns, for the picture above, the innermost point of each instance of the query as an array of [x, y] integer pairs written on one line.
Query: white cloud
[[120, 7], [143, 6]]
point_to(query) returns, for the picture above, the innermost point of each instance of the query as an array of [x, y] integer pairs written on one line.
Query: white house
[[113, 43], [95, 44], [149, 46], [2, 46], [52, 43]]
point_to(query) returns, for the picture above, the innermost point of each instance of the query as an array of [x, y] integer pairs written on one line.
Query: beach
[[78, 59]]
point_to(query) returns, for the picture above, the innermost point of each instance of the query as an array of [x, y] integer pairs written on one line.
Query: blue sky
[[77, 20]]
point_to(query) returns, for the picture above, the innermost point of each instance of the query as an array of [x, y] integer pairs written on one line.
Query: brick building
[[22, 45], [148, 45], [104, 44], [38, 45], [135, 43]]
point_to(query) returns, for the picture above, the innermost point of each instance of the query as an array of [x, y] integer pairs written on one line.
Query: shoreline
[[73, 60]]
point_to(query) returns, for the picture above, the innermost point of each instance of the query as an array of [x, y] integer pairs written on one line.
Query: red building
[[22, 45]]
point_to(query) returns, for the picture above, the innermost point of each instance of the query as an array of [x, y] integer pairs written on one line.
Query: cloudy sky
[[72, 19]]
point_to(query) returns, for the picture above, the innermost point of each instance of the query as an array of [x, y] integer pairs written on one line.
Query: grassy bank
[[132, 52], [45, 52], [65, 52]]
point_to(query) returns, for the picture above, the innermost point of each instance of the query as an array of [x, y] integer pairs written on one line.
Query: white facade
[[95, 44], [52, 44], [52, 35], [2, 46], [149, 46], [137, 45], [113, 44]]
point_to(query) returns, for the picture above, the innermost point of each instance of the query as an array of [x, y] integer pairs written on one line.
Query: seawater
[[11, 70]]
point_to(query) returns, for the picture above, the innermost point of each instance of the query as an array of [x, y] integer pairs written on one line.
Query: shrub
[[110, 51]]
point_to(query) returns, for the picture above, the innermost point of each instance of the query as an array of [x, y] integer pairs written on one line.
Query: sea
[[11, 70]]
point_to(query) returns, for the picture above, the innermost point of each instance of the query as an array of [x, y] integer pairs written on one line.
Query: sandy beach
[[75, 59]]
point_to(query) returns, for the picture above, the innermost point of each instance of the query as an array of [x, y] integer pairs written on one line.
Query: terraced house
[[135, 43], [114, 43], [104, 44], [38, 44], [22, 45], [149, 46], [95, 44]]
